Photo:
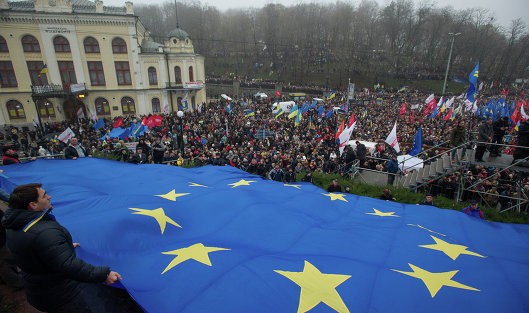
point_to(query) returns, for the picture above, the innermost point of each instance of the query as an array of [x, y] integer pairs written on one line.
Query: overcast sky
[[504, 10]]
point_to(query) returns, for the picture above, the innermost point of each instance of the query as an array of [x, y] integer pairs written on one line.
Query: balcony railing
[[174, 85], [56, 91]]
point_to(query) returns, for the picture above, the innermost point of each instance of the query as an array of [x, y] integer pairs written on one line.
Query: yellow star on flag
[[196, 185], [295, 186], [159, 215], [452, 250], [317, 287], [242, 182], [435, 281], [197, 252], [172, 195], [379, 213], [335, 196]]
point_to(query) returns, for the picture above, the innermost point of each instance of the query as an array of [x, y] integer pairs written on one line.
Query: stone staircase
[[441, 166]]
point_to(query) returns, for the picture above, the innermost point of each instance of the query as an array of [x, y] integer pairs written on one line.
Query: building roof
[[78, 6], [148, 46], [178, 33]]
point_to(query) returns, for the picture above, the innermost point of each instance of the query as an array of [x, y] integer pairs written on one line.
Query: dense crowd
[[265, 145]]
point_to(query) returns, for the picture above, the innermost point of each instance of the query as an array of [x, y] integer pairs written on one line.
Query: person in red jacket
[[474, 210]]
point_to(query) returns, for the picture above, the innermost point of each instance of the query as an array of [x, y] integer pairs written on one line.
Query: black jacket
[[46, 256], [70, 152]]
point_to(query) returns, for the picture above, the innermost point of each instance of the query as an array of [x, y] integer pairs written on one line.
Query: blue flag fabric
[[212, 239], [473, 79], [116, 132], [100, 123], [329, 114], [321, 111], [417, 143], [434, 113]]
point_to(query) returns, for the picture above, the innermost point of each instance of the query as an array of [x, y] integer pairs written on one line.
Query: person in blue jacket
[[474, 210]]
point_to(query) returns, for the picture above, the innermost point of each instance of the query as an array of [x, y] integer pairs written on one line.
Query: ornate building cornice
[[71, 19]]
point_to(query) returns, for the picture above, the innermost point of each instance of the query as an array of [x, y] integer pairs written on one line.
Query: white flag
[[80, 113], [461, 96], [345, 135], [34, 123], [475, 107], [480, 86], [449, 103], [522, 112], [429, 99], [66, 135], [166, 108], [415, 106], [200, 108], [392, 138]]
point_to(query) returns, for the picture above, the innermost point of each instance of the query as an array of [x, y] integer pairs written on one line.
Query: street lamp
[[180, 115], [452, 36]]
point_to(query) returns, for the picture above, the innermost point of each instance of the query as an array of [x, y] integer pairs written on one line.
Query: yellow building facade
[[74, 58]]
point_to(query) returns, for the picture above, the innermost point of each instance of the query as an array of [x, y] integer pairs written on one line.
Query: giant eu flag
[[217, 239]]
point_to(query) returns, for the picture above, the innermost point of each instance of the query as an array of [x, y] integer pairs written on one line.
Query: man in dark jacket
[[334, 186], [44, 251], [75, 150], [500, 126], [290, 176], [457, 138], [523, 141], [393, 168], [139, 157], [485, 133], [276, 173], [361, 152]]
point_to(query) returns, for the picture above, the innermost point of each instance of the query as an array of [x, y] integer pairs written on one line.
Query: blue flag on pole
[[473, 79], [417, 143], [212, 239]]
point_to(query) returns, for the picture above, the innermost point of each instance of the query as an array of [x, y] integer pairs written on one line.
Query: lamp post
[[180, 115], [452, 36]]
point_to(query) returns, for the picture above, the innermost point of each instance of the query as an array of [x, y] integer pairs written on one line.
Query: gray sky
[[504, 10]]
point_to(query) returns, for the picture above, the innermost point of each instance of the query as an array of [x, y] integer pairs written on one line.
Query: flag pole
[[452, 36]]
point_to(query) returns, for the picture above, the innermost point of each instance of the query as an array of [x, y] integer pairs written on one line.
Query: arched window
[[91, 45], [61, 44], [30, 44], [153, 80], [7, 74], [102, 107], [119, 45], [156, 105], [15, 109], [46, 108], [3, 45], [127, 105], [191, 74], [177, 75]]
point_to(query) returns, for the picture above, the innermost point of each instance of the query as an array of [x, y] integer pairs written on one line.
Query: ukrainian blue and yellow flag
[[228, 108], [279, 112], [212, 239], [331, 95], [403, 88], [44, 69], [365, 113], [250, 113], [293, 112], [298, 119]]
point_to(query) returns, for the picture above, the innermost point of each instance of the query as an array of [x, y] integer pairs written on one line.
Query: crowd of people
[[277, 149]]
